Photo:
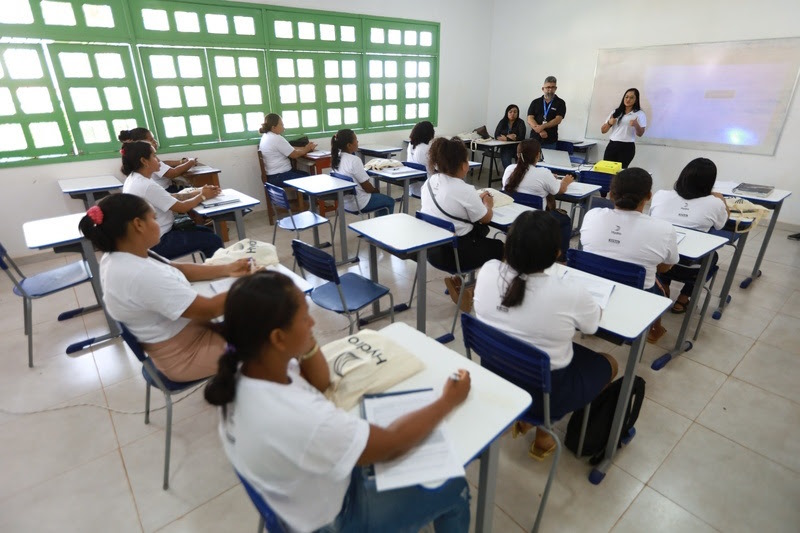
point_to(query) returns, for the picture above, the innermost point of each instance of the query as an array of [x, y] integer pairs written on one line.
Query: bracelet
[[309, 354]]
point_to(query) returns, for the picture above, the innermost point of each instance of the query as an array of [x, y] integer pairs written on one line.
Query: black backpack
[[601, 415]]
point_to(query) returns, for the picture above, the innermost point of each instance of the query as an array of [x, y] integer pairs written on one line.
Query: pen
[[252, 265]]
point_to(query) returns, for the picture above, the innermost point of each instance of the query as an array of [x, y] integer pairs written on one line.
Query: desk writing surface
[[491, 406], [495, 142], [403, 172], [580, 190], [94, 183], [50, 232], [320, 184], [199, 170], [696, 244], [401, 233], [203, 288], [380, 149], [244, 201], [506, 215], [726, 188]]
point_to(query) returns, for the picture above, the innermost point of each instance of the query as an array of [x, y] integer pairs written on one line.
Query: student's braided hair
[[630, 187], [527, 155]]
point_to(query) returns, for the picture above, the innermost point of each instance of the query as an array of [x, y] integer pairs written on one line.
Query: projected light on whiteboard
[[718, 96]]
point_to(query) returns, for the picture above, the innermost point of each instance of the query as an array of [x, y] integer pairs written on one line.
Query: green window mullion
[[240, 80]]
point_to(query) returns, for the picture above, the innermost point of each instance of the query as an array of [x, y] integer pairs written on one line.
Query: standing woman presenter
[[626, 122]]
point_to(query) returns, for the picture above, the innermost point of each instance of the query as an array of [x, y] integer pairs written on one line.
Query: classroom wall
[[534, 39], [31, 193]]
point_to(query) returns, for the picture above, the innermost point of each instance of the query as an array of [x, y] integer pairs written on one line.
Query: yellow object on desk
[[609, 167]]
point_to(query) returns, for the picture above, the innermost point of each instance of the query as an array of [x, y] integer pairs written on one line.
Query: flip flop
[[540, 455], [678, 308], [652, 337], [517, 430]]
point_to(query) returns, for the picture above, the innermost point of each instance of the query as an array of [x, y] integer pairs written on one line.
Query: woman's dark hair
[[270, 121], [531, 246], [630, 187], [422, 133], [117, 211], [338, 143], [619, 111], [256, 305], [509, 108], [447, 155], [696, 179], [136, 134], [132, 154], [527, 155]]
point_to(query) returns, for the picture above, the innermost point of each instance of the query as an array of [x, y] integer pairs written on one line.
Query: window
[[240, 88], [62, 19], [314, 31], [400, 90]]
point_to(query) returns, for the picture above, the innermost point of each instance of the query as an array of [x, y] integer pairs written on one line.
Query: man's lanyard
[[547, 107]]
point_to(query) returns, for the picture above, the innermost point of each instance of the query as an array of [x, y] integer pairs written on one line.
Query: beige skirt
[[191, 354]]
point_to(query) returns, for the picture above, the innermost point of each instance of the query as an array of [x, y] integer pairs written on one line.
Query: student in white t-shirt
[[152, 296], [447, 196], [277, 153], [301, 453], [625, 233], [139, 162], [167, 170], [519, 298], [367, 198], [418, 147], [691, 204], [626, 122], [525, 177]]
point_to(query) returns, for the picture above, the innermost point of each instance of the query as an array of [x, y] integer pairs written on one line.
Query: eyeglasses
[[549, 87]]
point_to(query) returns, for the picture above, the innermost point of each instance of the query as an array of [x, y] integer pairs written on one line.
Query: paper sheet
[[432, 460], [599, 288]]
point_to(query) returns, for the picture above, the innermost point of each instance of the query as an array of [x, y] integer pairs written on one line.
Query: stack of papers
[[599, 288], [220, 199], [318, 153]]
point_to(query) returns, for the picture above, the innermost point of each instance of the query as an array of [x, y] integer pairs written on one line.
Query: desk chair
[[415, 166], [597, 178], [360, 212], [299, 222], [527, 367], [271, 214], [599, 201], [492, 152], [41, 285], [268, 517], [530, 200], [154, 378], [346, 294], [567, 146]]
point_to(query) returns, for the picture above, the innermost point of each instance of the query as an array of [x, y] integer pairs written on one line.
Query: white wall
[[31, 193], [532, 39]]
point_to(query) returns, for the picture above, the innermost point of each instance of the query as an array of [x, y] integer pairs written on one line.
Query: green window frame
[[64, 19], [307, 30], [99, 91], [31, 120], [400, 90], [400, 37]]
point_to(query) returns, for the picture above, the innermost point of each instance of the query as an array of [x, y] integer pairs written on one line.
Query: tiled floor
[[717, 444]]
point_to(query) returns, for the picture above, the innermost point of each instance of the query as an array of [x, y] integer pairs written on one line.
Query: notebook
[[221, 199], [557, 158], [752, 189]]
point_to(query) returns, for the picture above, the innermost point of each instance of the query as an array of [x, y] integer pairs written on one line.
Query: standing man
[[546, 113]]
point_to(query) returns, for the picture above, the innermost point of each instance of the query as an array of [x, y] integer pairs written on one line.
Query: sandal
[[654, 334], [517, 429], [678, 308], [540, 455], [453, 284]]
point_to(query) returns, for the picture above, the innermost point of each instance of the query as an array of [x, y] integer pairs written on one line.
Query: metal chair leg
[[168, 443], [27, 306], [584, 424], [705, 307], [261, 524], [147, 404], [550, 477]]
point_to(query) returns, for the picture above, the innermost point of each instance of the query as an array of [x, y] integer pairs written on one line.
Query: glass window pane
[[349, 93], [118, 98], [169, 97], [410, 38], [334, 117], [411, 90], [424, 90], [110, 66], [285, 67], [283, 29], [16, 12], [85, 99], [98, 16], [75, 64], [423, 110], [331, 69], [305, 30], [225, 66], [244, 25], [425, 38], [119, 124], [376, 91], [376, 36], [348, 69], [327, 32], [411, 69], [190, 67], [309, 118], [195, 96], [424, 69], [229, 95], [332, 94], [391, 112], [305, 68], [291, 119], [391, 69], [216, 24], [391, 91], [23, 64], [155, 19], [307, 94], [411, 111], [94, 131], [163, 67], [35, 100], [288, 94], [233, 122], [254, 121], [248, 67], [201, 124], [394, 37], [46, 134], [251, 94], [351, 115], [7, 107], [174, 127], [376, 113], [187, 22], [347, 34], [58, 13], [13, 138], [375, 69]]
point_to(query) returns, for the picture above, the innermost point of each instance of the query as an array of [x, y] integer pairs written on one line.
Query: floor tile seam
[[763, 389], [668, 408], [193, 509], [130, 487], [683, 508]]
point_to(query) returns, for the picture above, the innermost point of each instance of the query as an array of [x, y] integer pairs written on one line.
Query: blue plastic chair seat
[[302, 221], [359, 292], [55, 280]]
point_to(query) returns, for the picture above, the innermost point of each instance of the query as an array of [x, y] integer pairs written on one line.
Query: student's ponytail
[[338, 143], [527, 155], [132, 154], [630, 187], [270, 121], [107, 222], [221, 389], [532, 245], [135, 134]]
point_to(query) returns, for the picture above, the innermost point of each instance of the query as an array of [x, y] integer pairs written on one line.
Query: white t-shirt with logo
[[698, 213], [158, 197], [548, 316], [146, 295], [630, 236], [622, 130], [455, 196], [294, 446], [275, 150], [538, 181], [351, 165], [418, 154]]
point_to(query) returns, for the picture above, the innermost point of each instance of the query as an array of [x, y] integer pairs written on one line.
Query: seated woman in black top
[[510, 128]]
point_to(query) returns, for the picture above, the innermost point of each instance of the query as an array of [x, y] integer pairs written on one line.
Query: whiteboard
[[729, 96]]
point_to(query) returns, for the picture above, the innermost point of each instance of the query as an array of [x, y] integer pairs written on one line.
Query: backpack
[[601, 416]]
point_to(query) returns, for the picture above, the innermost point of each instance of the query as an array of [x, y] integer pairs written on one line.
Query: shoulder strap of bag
[[433, 197]]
